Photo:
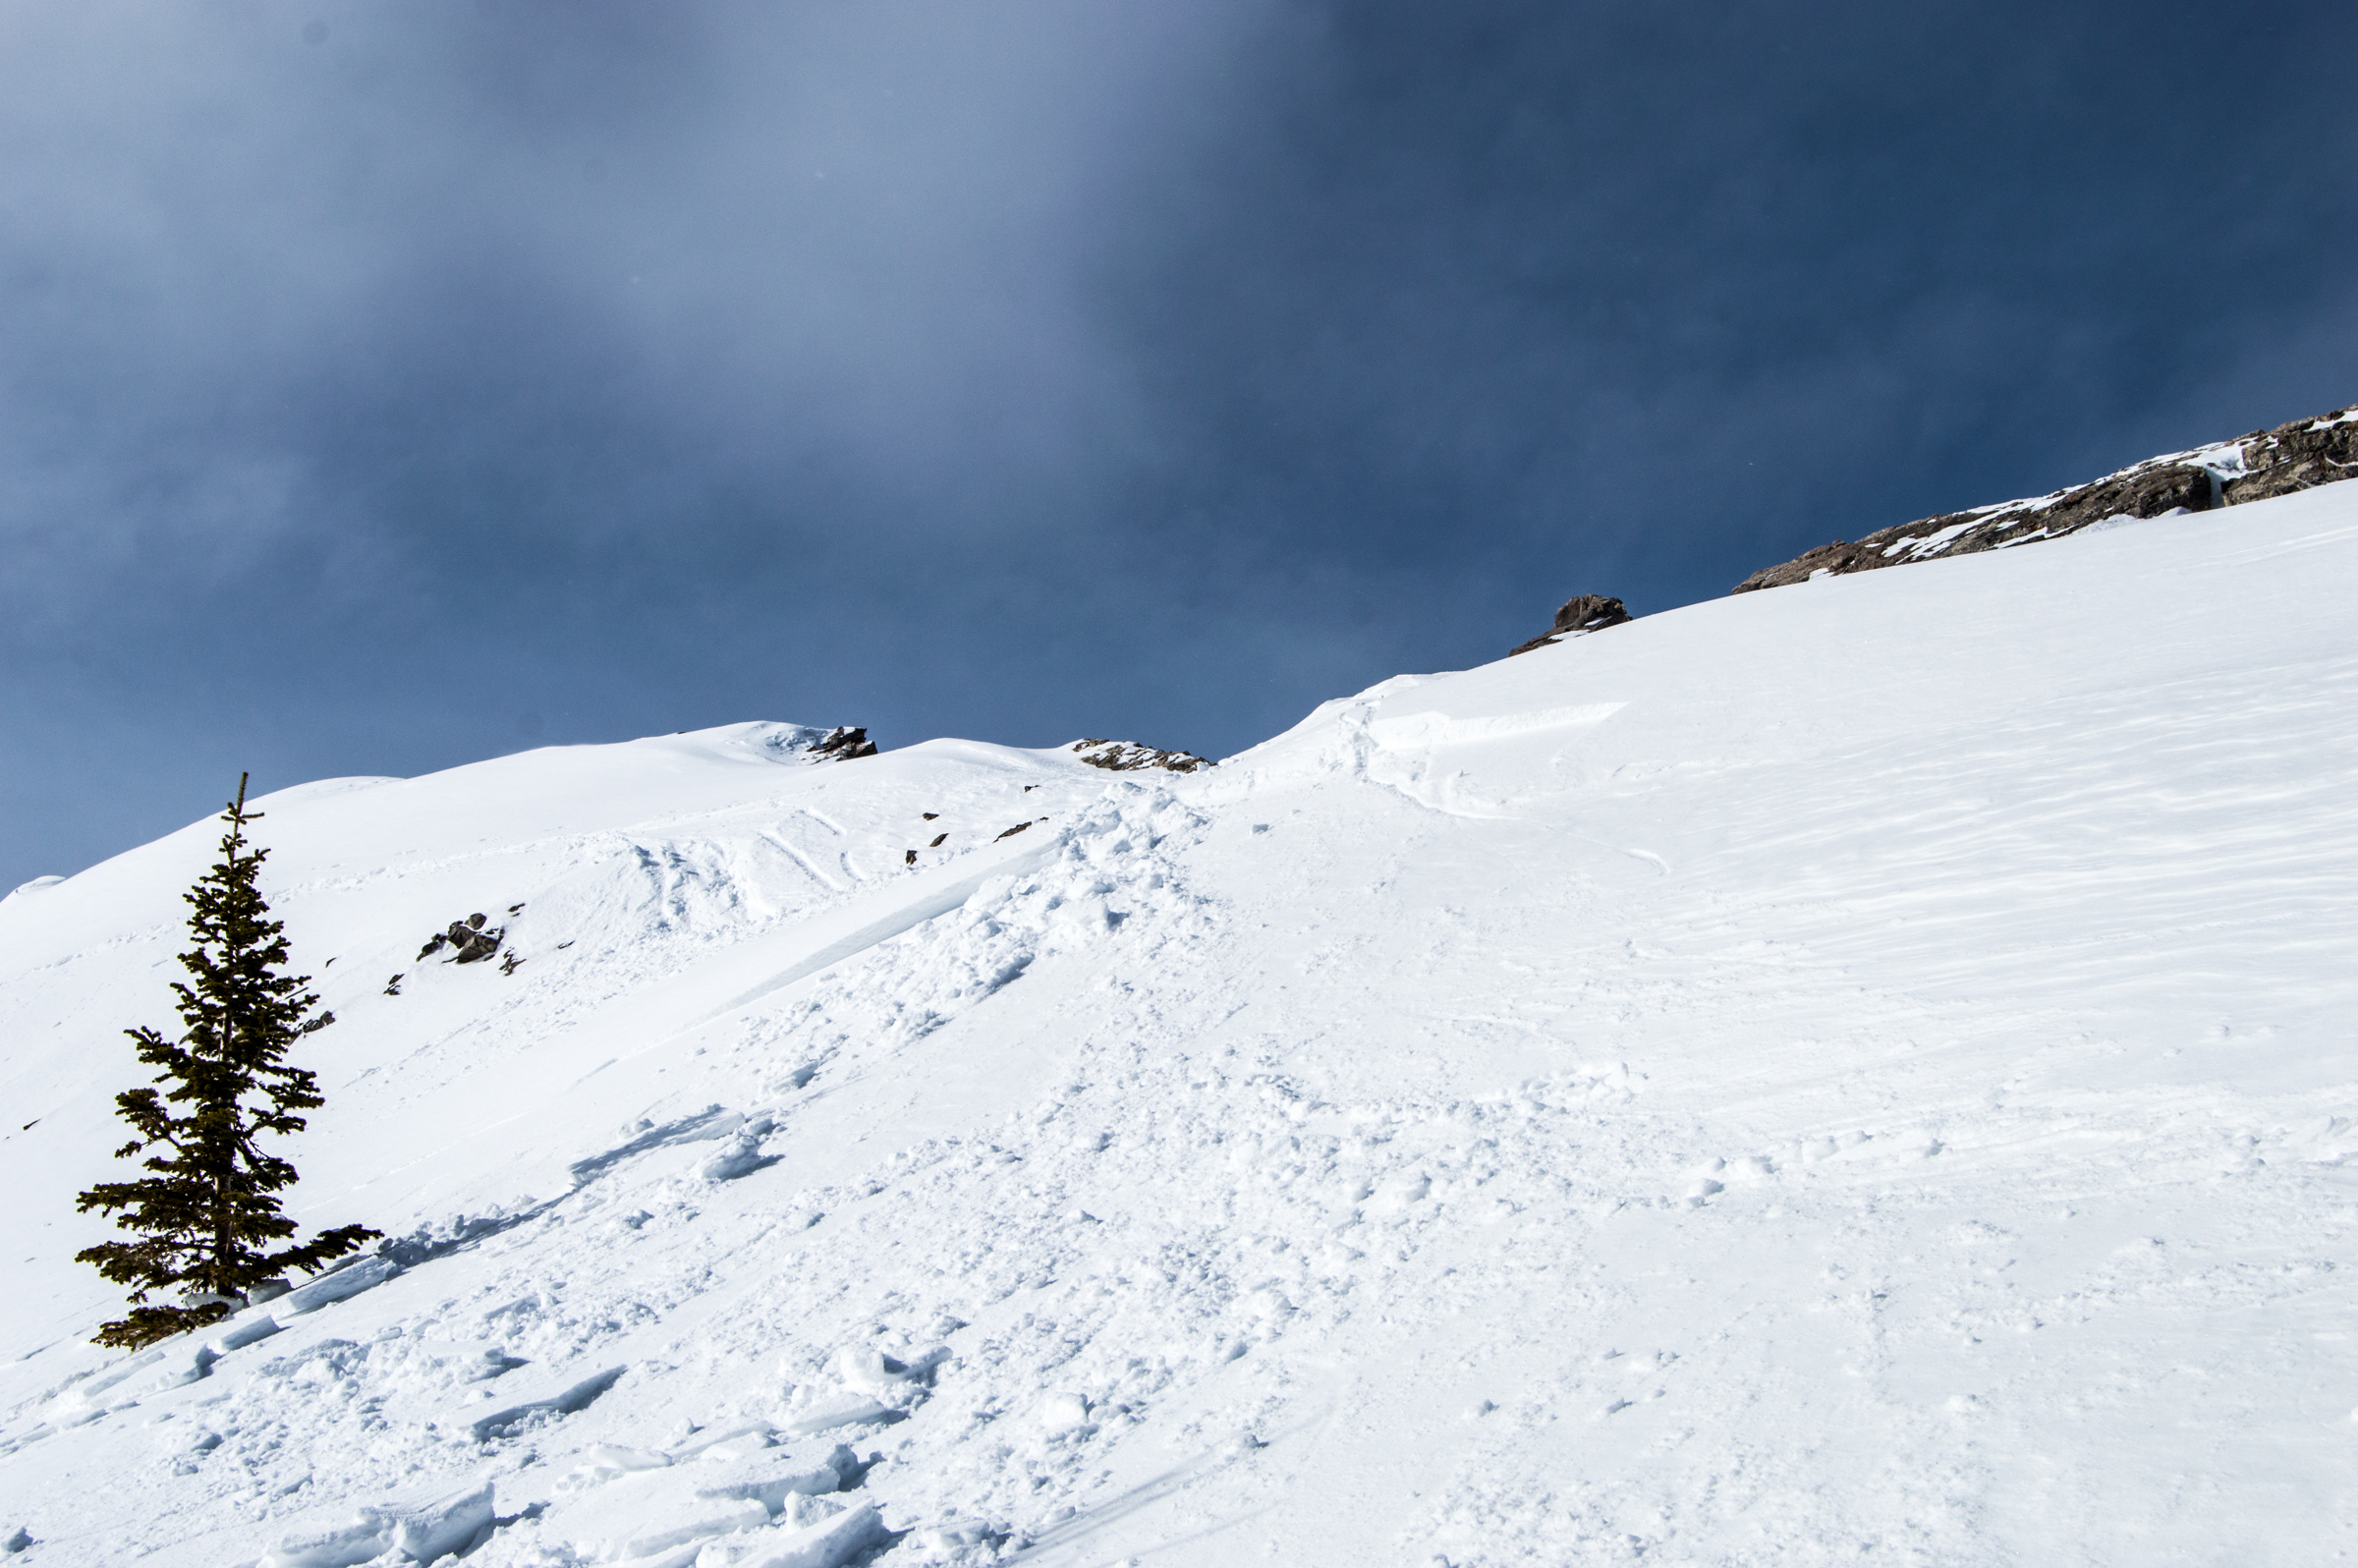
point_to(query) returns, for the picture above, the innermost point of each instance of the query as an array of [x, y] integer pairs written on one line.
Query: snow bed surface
[[1861, 1072]]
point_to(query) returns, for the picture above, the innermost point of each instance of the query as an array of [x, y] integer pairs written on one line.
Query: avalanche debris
[[1650, 1100]]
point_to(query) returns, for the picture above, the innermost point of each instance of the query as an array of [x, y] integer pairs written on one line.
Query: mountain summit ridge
[[2295, 456]]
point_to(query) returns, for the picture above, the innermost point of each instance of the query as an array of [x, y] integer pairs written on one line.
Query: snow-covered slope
[[1858, 1073]]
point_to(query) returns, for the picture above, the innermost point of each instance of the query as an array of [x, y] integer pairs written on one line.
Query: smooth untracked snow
[[1861, 1072]]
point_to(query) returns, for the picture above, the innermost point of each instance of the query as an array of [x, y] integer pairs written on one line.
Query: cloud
[[780, 241], [386, 386]]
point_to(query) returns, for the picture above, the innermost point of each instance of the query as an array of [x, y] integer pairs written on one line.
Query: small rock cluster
[[471, 937], [1581, 614], [2298, 456], [842, 744], [1125, 756]]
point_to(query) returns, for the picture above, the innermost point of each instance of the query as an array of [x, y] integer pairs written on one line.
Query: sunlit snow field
[[1866, 1071]]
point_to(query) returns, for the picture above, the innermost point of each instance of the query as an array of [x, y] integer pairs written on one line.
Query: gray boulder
[[1580, 615]]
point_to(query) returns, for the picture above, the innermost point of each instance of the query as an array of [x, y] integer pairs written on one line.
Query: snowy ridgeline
[[2296, 456], [1860, 1073]]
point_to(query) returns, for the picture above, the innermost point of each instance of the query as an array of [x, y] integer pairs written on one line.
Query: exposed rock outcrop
[[2299, 456], [1125, 756], [1581, 614], [472, 941], [2266, 462], [842, 744]]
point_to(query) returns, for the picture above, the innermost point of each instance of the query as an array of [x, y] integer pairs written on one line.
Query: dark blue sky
[[388, 386]]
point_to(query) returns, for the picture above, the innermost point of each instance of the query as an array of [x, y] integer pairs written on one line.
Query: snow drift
[[1864, 1071]]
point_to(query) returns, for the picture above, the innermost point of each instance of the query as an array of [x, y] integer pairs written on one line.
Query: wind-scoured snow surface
[[1861, 1073]]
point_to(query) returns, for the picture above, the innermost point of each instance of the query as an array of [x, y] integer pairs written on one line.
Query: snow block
[[183, 1364], [419, 1530], [636, 1516], [955, 1535], [742, 1157], [367, 1536], [573, 1399], [240, 1332], [738, 1447], [720, 1516], [829, 1543], [1062, 1413], [735, 1448], [620, 1460], [341, 1285], [849, 1415], [771, 1483], [444, 1525], [871, 1372], [745, 1439]]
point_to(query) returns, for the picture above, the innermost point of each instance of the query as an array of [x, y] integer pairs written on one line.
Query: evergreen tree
[[205, 1215]]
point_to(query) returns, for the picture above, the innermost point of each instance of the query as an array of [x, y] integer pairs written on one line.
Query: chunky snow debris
[[415, 1532], [505, 1422], [829, 1543], [342, 1284]]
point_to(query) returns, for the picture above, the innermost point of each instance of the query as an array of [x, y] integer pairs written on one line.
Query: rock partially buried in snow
[[469, 941], [1578, 616], [417, 1531], [843, 743], [1128, 757]]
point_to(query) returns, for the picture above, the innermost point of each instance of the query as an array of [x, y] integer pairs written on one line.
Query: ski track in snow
[[1859, 1072]]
